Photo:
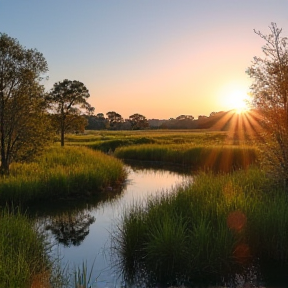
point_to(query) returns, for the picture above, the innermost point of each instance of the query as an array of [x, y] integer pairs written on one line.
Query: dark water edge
[[80, 231]]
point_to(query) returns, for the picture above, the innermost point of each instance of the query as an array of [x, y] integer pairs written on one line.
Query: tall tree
[[138, 121], [69, 98], [270, 92], [23, 122]]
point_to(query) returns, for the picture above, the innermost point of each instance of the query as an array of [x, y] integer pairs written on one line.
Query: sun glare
[[239, 101], [236, 99]]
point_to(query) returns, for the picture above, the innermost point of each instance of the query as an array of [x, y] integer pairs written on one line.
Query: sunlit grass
[[218, 158], [110, 140], [61, 173]]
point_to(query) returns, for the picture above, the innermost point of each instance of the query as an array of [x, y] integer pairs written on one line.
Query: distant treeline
[[114, 121]]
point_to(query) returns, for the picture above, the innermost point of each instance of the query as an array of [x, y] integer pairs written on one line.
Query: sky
[[159, 58]]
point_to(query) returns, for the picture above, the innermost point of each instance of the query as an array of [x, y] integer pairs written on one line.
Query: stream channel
[[81, 232]]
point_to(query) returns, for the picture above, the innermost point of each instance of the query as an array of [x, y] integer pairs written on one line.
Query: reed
[[213, 227], [82, 277], [61, 173], [217, 158], [22, 251]]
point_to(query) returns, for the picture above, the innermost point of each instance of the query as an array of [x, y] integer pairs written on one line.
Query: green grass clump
[[111, 144], [22, 252], [217, 158], [213, 227], [61, 173]]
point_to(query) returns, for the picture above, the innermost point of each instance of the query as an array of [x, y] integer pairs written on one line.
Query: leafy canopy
[[270, 91], [24, 126]]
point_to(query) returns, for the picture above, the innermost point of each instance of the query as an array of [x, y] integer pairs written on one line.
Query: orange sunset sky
[[159, 58]]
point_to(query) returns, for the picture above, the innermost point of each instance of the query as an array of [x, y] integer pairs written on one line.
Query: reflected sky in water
[[141, 183]]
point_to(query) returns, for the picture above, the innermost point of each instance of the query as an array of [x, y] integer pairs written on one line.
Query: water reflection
[[81, 229], [70, 228], [153, 166]]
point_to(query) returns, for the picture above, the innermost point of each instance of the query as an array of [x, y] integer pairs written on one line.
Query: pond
[[80, 233]]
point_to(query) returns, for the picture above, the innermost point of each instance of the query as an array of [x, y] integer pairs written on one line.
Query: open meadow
[[202, 150]]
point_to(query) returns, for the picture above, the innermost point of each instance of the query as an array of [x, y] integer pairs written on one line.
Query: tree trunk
[[4, 168], [62, 129], [62, 137]]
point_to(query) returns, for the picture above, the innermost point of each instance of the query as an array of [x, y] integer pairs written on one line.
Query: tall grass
[[214, 227], [218, 158], [22, 252], [61, 173], [110, 140]]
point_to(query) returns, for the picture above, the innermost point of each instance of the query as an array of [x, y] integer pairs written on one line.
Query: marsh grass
[[212, 228], [110, 140], [216, 158], [22, 251], [61, 173], [82, 276]]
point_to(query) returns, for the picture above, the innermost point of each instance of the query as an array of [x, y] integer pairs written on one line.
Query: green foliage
[[24, 127], [61, 173], [68, 99]]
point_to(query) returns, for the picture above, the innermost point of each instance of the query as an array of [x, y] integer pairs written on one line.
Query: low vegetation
[[216, 158], [61, 173], [23, 255], [213, 227], [109, 141]]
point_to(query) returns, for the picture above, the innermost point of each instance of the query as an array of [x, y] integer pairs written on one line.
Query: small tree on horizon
[[138, 121], [115, 120]]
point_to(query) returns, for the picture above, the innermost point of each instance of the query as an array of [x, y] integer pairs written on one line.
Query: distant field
[[202, 149], [97, 139]]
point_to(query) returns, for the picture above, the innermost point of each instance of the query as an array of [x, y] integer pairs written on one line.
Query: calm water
[[80, 232], [84, 233]]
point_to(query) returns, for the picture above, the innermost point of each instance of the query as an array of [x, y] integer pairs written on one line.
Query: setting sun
[[239, 101], [235, 98]]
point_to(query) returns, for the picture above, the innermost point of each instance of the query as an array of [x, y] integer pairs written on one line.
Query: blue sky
[[160, 58]]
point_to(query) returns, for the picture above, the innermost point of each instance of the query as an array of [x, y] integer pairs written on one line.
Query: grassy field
[[110, 140], [205, 150]]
